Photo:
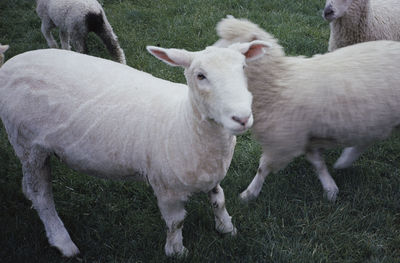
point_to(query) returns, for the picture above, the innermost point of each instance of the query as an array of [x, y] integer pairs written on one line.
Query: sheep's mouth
[[239, 130], [330, 17], [329, 14]]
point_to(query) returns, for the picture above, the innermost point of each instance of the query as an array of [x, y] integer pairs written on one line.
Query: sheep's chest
[[200, 173]]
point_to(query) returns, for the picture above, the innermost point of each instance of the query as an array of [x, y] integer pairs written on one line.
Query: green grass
[[289, 222]]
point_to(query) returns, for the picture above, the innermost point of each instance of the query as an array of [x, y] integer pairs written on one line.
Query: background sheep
[[355, 21], [3, 49], [120, 123], [75, 19], [304, 105]]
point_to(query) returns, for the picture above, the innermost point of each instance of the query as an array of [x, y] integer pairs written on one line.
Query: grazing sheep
[[356, 21], [116, 122], [349, 97], [75, 19], [3, 49]]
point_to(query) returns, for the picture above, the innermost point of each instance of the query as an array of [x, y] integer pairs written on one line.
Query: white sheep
[[75, 20], [356, 21], [349, 97], [116, 122], [3, 49]]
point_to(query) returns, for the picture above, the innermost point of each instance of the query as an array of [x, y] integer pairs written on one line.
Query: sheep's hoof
[[331, 194], [174, 251], [69, 251], [64, 244], [246, 196], [231, 230], [183, 253]]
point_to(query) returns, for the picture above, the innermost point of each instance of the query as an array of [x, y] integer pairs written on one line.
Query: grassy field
[[289, 222]]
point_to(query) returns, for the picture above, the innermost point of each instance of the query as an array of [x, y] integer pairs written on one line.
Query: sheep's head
[[216, 80], [3, 48], [335, 9]]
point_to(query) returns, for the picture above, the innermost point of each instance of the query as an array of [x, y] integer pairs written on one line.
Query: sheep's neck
[[353, 24], [203, 147], [264, 79], [204, 127]]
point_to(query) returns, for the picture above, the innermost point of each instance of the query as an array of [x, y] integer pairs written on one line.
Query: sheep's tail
[[241, 30], [99, 24]]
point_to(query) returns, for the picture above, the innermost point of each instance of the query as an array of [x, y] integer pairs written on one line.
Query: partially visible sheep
[[75, 19], [349, 97], [356, 21], [3, 49], [116, 122]]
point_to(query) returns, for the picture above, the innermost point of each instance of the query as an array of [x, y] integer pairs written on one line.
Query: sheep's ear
[[252, 50], [3, 48], [172, 56]]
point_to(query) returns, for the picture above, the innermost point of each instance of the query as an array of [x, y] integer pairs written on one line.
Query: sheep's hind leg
[[64, 37], [78, 38], [173, 212], [223, 222], [348, 156], [36, 185], [46, 27], [330, 188], [254, 188]]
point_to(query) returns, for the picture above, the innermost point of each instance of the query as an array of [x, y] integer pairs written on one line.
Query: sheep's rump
[[94, 22], [347, 97], [66, 13], [65, 102]]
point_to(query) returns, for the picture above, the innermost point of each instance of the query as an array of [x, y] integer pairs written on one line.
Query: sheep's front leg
[[223, 222], [254, 188], [173, 212], [46, 27], [330, 188], [348, 156]]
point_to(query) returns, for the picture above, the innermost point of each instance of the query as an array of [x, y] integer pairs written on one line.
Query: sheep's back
[[66, 13], [351, 93], [75, 105]]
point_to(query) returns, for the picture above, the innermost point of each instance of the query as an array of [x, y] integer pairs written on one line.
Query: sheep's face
[[219, 88], [335, 9], [218, 85]]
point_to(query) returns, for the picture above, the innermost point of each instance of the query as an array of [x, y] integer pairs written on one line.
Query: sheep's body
[[120, 123], [3, 49], [350, 97], [359, 21], [75, 19]]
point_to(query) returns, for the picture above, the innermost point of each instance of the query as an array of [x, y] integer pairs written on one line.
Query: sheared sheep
[[349, 97], [116, 122], [75, 19], [356, 21], [3, 49]]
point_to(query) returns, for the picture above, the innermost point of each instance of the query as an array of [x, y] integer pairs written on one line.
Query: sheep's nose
[[241, 121], [328, 13]]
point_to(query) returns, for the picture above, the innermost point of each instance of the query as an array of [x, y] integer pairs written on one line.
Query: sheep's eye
[[200, 76]]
